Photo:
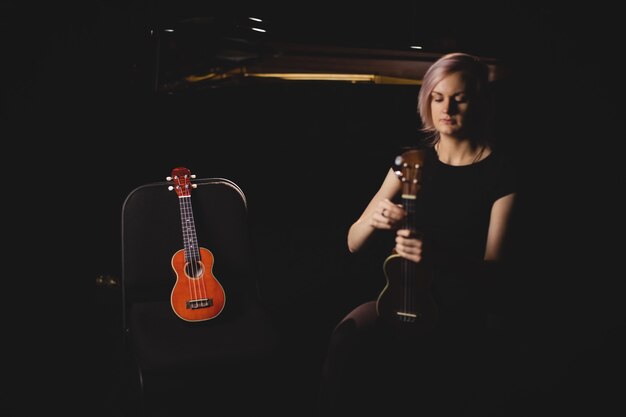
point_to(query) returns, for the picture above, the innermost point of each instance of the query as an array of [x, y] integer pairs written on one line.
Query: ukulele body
[[197, 295], [406, 299]]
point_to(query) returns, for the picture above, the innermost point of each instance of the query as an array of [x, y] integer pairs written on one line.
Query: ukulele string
[[198, 264], [189, 268], [197, 288], [405, 268], [409, 265]]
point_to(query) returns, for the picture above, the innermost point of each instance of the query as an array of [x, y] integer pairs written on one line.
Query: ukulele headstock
[[409, 167], [181, 177]]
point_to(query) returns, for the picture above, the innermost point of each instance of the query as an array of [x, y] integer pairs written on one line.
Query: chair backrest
[[152, 232]]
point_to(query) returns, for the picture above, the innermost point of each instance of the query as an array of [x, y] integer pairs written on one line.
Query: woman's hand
[[408, 246], [387, 215]]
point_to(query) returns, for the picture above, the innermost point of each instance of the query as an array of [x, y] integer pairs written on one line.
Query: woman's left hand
[[408, 246]]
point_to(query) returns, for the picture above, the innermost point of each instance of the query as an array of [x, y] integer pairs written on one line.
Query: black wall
[[86, 131]]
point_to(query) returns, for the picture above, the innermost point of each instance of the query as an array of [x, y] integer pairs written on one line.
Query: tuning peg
[[193, 175], [170, 188], [168, 178], [194, 185]]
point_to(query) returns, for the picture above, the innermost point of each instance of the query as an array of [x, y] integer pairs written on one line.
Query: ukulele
[[197, 295], [406, 299]]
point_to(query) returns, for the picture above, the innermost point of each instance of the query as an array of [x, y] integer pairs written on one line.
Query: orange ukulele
[[197, 295], [406, 299]]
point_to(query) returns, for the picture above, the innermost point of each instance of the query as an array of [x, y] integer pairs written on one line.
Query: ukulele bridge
[[410, 317], [199, 303]]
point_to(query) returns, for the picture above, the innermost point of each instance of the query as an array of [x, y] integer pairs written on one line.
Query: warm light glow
[[355, 78], [293, 76], [317, 76], [209, 76]]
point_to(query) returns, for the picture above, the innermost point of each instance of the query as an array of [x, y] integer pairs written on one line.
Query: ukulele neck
[[190, 240]]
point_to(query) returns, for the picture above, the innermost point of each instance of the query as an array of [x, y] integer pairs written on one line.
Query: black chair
[[218, 364]]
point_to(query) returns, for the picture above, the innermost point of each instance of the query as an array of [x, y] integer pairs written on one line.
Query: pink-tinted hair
[[476, 74]]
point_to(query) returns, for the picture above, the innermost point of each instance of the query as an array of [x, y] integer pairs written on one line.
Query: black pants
[[372, 368]]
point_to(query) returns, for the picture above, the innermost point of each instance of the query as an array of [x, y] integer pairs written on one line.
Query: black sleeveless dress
[[369, 368], [453, 210]]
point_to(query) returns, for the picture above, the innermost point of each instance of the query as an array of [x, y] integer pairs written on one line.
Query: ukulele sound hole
[[194, 269]]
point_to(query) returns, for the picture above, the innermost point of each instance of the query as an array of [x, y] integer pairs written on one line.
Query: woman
[[462, 212]]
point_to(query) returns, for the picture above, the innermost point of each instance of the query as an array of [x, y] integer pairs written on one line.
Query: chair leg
[[141, 394], [134, 390]]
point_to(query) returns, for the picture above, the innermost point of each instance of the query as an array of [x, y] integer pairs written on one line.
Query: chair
[[210, 366]]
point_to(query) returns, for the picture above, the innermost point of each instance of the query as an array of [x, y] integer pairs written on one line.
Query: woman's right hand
[[387, 215]]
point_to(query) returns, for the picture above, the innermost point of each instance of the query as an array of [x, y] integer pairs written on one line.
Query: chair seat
[[154, 326]]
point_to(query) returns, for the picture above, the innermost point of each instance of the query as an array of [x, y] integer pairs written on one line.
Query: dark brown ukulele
[[406, 299], [197, 295]]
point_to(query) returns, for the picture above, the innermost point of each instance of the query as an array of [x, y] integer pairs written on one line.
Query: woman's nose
[[448, 107]]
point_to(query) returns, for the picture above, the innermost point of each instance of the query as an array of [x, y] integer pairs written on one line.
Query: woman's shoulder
[[503, 167], [505, 158]]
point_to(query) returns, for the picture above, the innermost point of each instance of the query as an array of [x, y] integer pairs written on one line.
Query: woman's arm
[[380, 213], [484, 272], [498, 226]]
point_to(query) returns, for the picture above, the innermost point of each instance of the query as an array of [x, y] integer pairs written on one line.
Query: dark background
[[80, 115]]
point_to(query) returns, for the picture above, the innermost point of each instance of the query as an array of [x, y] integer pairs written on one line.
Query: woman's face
[[449, 105]]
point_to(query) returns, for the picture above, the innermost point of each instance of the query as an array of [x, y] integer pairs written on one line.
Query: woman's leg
[[346, 372]]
